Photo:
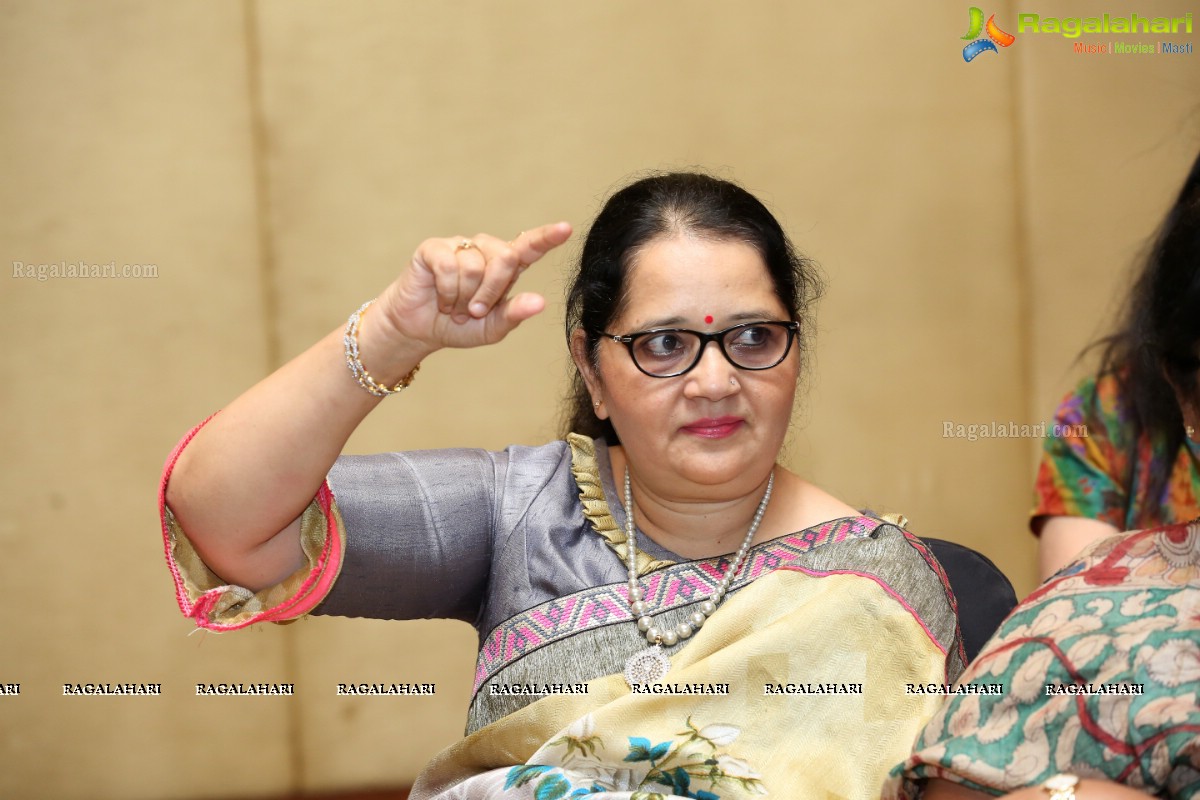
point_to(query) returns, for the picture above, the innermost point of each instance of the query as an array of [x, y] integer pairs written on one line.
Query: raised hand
[[456, 292]]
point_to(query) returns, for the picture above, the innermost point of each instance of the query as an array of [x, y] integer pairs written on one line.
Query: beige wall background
[[278, 162]]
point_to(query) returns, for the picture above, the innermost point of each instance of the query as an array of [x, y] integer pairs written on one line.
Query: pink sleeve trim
[[307, 596]]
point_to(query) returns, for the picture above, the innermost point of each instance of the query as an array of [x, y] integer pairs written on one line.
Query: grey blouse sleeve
[[422, 527]]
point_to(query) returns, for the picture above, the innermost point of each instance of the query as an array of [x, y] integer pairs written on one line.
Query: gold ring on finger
[[465, 244]]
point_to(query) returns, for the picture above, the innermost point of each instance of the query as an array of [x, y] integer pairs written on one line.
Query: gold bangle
[[350, 340], [1061, 786]]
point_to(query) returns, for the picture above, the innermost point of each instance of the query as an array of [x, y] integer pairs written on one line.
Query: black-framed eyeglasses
[[668, 352]]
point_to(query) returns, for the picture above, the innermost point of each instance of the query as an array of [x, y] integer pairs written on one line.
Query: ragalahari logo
[[994, 37]]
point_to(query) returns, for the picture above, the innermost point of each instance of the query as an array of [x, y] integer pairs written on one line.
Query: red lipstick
[[713, 427]]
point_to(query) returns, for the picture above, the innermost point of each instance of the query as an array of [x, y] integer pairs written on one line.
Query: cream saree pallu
[[801, 685]]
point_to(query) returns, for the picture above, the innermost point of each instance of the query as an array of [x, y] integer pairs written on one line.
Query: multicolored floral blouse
[[1092, 466]]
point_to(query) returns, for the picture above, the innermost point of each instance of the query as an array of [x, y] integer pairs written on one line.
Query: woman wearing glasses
[[661, 606]]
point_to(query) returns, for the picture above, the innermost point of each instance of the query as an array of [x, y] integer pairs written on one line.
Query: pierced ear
[[591, 377], [1188, 409], [1180, 395]]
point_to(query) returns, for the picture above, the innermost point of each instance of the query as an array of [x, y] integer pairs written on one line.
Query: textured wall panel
[[125, 139]]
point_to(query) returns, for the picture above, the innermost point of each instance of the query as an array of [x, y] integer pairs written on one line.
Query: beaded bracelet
[[350, 340]]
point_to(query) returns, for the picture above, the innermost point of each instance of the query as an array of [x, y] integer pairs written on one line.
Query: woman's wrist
[[377, 354], [358, 370]]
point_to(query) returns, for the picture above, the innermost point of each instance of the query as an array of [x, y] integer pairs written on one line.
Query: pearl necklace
[[651, 665]]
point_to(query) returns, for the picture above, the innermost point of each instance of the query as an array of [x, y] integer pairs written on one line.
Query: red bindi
[[708, 319]]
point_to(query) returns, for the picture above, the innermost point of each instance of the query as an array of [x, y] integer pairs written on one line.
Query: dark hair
[[1158, 335], [664, 205]]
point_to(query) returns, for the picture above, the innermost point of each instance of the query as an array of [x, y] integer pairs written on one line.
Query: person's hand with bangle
[[1058, 787]]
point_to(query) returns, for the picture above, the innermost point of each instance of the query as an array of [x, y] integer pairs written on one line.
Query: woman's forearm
[[1063, 538]]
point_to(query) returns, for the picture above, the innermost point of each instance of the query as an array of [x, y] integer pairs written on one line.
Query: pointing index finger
[[533, 244]]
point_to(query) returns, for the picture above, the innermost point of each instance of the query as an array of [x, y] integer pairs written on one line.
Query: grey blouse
[[470, 534]]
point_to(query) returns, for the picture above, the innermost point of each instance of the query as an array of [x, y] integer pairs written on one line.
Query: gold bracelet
[[350, 340], [1061, 786]]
